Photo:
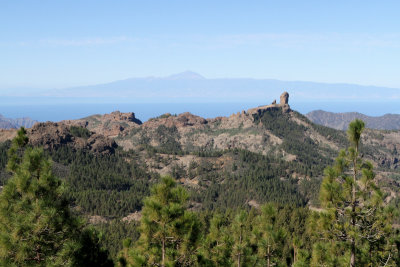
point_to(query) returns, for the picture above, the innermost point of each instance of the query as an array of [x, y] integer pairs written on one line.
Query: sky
[[57, 44]]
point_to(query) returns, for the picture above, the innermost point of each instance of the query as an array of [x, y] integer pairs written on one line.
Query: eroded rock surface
[[52, 135], [284, 99]]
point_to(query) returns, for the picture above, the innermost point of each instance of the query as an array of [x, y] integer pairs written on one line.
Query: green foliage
[[329, 254], [4, 147], [16, 150], [264, 178], [163, 116], [294, 140], [354, 131], [241, 238], [36, 225], [354, 215], [91, 252], [268, 238], [168, 233], [240, 232], [108, 185], [115, 231], [167, 137], [80, 132], [217, 244], [223, 231]]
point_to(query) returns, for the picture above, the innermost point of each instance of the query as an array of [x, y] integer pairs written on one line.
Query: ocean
[[58, 110]]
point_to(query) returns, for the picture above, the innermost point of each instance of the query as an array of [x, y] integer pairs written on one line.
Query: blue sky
[[55, 44]]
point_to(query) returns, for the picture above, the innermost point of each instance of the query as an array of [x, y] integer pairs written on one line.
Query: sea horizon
[[144, 111]]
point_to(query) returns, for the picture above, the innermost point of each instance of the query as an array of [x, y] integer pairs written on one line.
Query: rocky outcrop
[[284, 99], [49, 135], [122, 117], [284, 102], [109, 125], [284, 105], [52, 135], [101, 144], [7, 134], [136, 216], [182, 120]]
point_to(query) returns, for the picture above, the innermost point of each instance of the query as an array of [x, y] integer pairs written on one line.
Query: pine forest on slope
[[265, 154]]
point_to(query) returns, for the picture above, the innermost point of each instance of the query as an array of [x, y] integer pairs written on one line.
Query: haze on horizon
[[60, 44]]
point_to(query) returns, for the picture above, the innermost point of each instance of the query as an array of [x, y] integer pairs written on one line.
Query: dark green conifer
[[268, 238], [36, 226], [217, 245], [354, 216], [240, 231], [169, 234]]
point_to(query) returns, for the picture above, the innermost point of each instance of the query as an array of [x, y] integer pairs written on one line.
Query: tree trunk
[[163, 253], [353, 211], [240, 243], [294, 255], [268, 263], [353, 254]]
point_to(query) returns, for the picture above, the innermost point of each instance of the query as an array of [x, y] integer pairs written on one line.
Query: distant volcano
[[186, 75]]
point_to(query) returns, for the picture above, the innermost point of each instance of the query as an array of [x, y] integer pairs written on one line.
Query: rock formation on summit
[[118, 116], [284, 105], [284, 99]]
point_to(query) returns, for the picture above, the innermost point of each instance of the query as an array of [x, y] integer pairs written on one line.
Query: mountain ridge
[[189, 85], [8, 123], [267, 153], [340, 121]]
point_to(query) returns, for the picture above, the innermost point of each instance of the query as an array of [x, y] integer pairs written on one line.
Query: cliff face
[[340, 121]]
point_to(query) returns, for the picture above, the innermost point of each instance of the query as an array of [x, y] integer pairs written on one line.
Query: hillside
[[268, 153], [7, 123], [340, 121], [265, 154]]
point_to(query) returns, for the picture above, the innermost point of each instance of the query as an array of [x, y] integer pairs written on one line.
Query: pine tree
[[36, 226], [16, 150], [217, 245], [354, 213], [240, 231], [169, 234], [268, 238], [329, 254]]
